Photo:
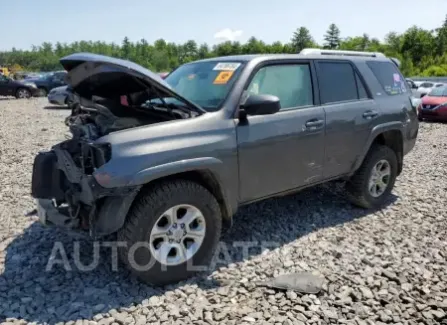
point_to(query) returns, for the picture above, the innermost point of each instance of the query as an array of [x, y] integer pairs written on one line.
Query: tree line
[[422, 52]]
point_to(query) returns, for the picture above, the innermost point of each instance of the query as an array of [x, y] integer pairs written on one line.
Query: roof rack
[[341, 52]]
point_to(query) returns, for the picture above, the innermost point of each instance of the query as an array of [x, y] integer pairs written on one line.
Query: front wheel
[[23, 93], [171, 232], [371, 185]]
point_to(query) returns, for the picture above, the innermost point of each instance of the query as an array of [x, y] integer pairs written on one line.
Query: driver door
[[282, 151]]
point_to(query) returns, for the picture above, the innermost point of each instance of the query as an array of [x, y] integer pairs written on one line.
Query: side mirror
[[261, 105]]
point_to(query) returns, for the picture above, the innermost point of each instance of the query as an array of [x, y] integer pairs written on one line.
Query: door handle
[[370, 114], [314, 124]]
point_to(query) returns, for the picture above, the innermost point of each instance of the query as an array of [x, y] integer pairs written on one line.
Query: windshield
[[439, 92], [205, 83]]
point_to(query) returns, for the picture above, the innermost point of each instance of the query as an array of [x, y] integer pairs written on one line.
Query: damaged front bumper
[[68, 197]]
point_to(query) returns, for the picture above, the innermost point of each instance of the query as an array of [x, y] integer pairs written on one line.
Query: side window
[[337, 82], [58, 77], [389, 77], [3, 79], [291, 83]]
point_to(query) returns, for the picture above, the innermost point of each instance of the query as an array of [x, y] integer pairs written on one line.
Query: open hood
[[103, 76]]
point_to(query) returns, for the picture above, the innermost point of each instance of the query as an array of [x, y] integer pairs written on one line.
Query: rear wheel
[[371, 185], [23, 93], [171, 232]]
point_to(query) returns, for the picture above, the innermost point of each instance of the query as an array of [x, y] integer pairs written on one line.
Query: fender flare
[[376, 131], [152, 173], [209, 165]]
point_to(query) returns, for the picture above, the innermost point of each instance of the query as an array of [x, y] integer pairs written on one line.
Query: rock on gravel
[[385, 266]]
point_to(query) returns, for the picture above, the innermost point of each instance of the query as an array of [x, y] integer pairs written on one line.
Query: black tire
[[22, 93], [357, 186], [420, 119], [43, 92], [149, 206]]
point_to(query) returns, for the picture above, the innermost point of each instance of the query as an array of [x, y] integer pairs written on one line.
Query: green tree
[[441, 39], [125, 48], [418, 43], [302, 39], [422, 52], [332, 37]]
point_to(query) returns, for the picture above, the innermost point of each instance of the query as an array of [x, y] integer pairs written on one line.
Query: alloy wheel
[[177, 235], [23, 93], [379, 178]]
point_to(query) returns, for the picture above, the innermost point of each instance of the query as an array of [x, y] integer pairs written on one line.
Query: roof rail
[[341, 52]]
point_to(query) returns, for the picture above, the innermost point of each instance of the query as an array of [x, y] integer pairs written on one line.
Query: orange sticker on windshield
[[223, 77]]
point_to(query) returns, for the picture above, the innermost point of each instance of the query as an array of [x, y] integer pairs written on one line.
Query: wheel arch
[[204, 177], [390, 135], [120, 206]]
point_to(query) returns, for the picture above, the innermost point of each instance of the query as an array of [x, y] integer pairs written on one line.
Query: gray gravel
[[380, 267]]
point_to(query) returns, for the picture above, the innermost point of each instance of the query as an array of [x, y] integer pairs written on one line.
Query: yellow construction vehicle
[[4, 71]]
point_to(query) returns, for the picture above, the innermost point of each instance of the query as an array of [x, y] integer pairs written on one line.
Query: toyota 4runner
[[166, 162]]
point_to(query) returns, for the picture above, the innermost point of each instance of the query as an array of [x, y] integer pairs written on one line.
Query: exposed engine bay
[[91, 119]]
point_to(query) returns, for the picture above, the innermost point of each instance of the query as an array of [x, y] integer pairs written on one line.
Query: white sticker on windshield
[[227, 66]]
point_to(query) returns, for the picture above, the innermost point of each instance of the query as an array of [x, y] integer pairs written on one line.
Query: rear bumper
[[410, 133], [67, 197]]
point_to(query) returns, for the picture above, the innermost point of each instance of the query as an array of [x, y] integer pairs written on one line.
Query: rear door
[[285, 150], [350, 113]]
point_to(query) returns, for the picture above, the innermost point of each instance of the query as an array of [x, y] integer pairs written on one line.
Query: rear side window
[[339, 82], [389, 77]]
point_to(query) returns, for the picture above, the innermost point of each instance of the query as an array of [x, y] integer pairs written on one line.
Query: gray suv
[[164, 163]]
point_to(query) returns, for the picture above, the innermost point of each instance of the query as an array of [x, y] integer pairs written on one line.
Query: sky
[[24, 23]]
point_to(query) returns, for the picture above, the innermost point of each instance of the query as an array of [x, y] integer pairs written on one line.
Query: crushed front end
[[66, 190]]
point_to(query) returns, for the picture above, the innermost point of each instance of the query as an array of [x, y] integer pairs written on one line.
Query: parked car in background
[[19, 89], [414, 87], [434, 105], [427, 86], [60, 95], [163, 75], [49, 81], [418, 83], [218, 134]]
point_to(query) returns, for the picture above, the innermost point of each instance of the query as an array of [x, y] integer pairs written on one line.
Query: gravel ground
[[380, 267]]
